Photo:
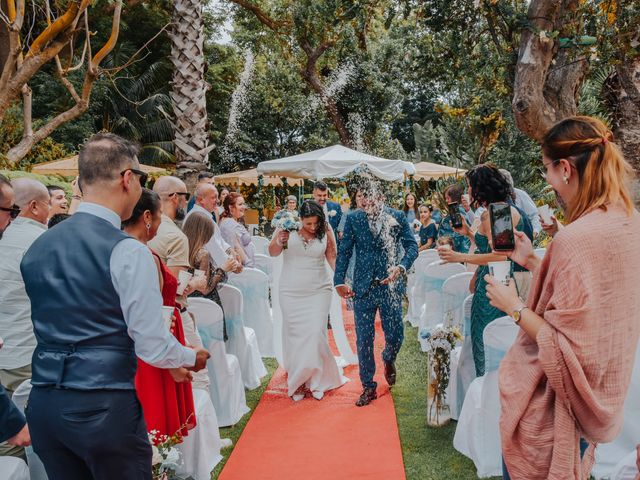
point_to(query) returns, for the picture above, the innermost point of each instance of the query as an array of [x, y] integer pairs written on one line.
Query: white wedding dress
[[305, 294]]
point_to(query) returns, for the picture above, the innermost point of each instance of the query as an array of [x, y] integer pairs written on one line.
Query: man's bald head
[[33, 199], [207, 196], [168, 185], [27, 190]]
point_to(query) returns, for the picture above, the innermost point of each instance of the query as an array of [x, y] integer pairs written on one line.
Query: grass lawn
[[428, 452], [253, 396]]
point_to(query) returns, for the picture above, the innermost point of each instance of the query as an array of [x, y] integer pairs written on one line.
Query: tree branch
[[262, 16]]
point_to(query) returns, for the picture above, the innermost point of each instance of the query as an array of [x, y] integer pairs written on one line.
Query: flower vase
[[438, 410]]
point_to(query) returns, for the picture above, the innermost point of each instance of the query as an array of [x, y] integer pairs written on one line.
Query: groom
[[376, 232]]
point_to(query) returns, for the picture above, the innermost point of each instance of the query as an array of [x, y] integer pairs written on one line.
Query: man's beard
[[180, 213]]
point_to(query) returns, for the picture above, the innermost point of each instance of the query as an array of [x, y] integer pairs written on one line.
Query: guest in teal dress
[[428, 230], [486, 185], [453, 193]]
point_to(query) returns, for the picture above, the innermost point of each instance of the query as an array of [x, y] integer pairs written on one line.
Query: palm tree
[[189, 88]]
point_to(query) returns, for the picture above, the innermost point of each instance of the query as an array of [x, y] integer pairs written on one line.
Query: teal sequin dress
[[482, 313]]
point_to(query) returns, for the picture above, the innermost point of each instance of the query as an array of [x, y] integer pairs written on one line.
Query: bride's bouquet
[[286, 220]]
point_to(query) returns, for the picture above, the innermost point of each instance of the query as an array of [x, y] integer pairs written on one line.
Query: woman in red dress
[[165, 394]]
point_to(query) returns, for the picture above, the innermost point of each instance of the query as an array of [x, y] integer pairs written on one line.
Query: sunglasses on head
[[14, 211], [142, 176]]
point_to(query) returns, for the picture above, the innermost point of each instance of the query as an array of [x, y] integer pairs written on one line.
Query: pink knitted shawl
[[571, 383]]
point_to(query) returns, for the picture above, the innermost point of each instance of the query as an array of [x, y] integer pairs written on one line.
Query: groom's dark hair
[[311, 208], [320, 186]]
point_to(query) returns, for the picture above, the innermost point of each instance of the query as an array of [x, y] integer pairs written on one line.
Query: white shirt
[[135, 279], [216, 246], [526, 204], [16, 327]]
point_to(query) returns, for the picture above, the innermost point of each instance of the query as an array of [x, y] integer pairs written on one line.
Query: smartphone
[[501, 227], [454, 213]]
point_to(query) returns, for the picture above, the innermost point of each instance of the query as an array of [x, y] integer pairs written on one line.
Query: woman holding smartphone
[[564, 381], [486, 186]]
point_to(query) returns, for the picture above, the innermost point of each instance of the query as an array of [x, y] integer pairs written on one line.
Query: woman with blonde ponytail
[[564, 381]]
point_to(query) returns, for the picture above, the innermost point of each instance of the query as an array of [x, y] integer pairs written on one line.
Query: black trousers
[[89, 434]]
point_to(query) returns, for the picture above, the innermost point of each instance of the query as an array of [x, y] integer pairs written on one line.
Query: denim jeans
[[583, 448]]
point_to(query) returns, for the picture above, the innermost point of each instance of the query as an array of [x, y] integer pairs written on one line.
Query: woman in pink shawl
[[564, 381]]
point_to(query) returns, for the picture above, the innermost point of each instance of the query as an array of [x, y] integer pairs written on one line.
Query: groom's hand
[[394, 273], [345, 291]]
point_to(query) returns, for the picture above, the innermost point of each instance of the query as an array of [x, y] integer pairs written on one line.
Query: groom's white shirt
[[216, 246]]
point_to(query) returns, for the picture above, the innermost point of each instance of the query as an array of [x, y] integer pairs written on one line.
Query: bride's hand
[[283, 237], [345, 291]]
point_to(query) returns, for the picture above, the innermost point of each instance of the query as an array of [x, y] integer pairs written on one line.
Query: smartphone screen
[[501, 227], [454, 212]]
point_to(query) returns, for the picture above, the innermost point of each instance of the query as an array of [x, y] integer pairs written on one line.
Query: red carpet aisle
[[330, 439]]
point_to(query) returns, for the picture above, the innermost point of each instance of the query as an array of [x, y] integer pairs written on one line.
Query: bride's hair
[[311, 208]]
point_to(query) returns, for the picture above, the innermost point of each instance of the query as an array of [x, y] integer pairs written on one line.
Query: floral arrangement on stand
[[286, 220], [440, 342], [164, 456]]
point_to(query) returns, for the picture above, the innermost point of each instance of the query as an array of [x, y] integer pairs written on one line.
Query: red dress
[[167, 406]]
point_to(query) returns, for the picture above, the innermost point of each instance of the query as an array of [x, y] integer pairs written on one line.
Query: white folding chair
[[610, 457], [264, 263], [465, 371], [36, 469], [416, 300], [242, 340], [226, 387], [256, 310], [478, 432], [540, 252], [261, 244], [429, 283]]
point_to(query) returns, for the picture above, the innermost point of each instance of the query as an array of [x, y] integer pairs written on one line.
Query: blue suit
[[11, 420], [373, 259], [335, 220]]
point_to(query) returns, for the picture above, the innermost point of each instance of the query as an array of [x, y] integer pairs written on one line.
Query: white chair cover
[[264, 263], [35, 466], [626, 469], [415, 296], [465, 370], [454, 291], [226, 388], [261, 244], [608, 455], [200, 450], [478, 432], [256, 311], [347, 356], [242, 340], [13, 468], [540, 252], [429, 285]]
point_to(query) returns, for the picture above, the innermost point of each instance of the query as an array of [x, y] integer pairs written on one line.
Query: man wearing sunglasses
[[8, 211], [96, 307]]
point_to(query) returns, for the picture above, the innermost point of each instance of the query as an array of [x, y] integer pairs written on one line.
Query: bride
[[305, 295]]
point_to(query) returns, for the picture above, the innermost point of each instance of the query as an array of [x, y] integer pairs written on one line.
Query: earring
[[148, 225], [566, 180]]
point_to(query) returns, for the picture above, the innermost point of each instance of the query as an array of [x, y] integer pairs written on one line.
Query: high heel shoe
[[317, 395], [296, 397]]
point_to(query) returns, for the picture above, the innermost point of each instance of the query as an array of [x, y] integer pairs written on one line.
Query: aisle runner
[[317, 440]]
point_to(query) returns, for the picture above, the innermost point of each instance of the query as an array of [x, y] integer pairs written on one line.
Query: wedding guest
[[56, 219], [292, 203], [223, 194], [58, 200], [453, 193], [486, 185], [410, 208], [470, 214], [525, 203], [199, 230], [96, 308], [233, 232], [564, 381], [8, 209], [16, 328], [206, 198], [332, 210], [165, 394], [76, 196], [13, 426], [203, 178], [428, 231]]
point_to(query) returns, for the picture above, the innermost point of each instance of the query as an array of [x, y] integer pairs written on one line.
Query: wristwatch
[[517, 314]]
